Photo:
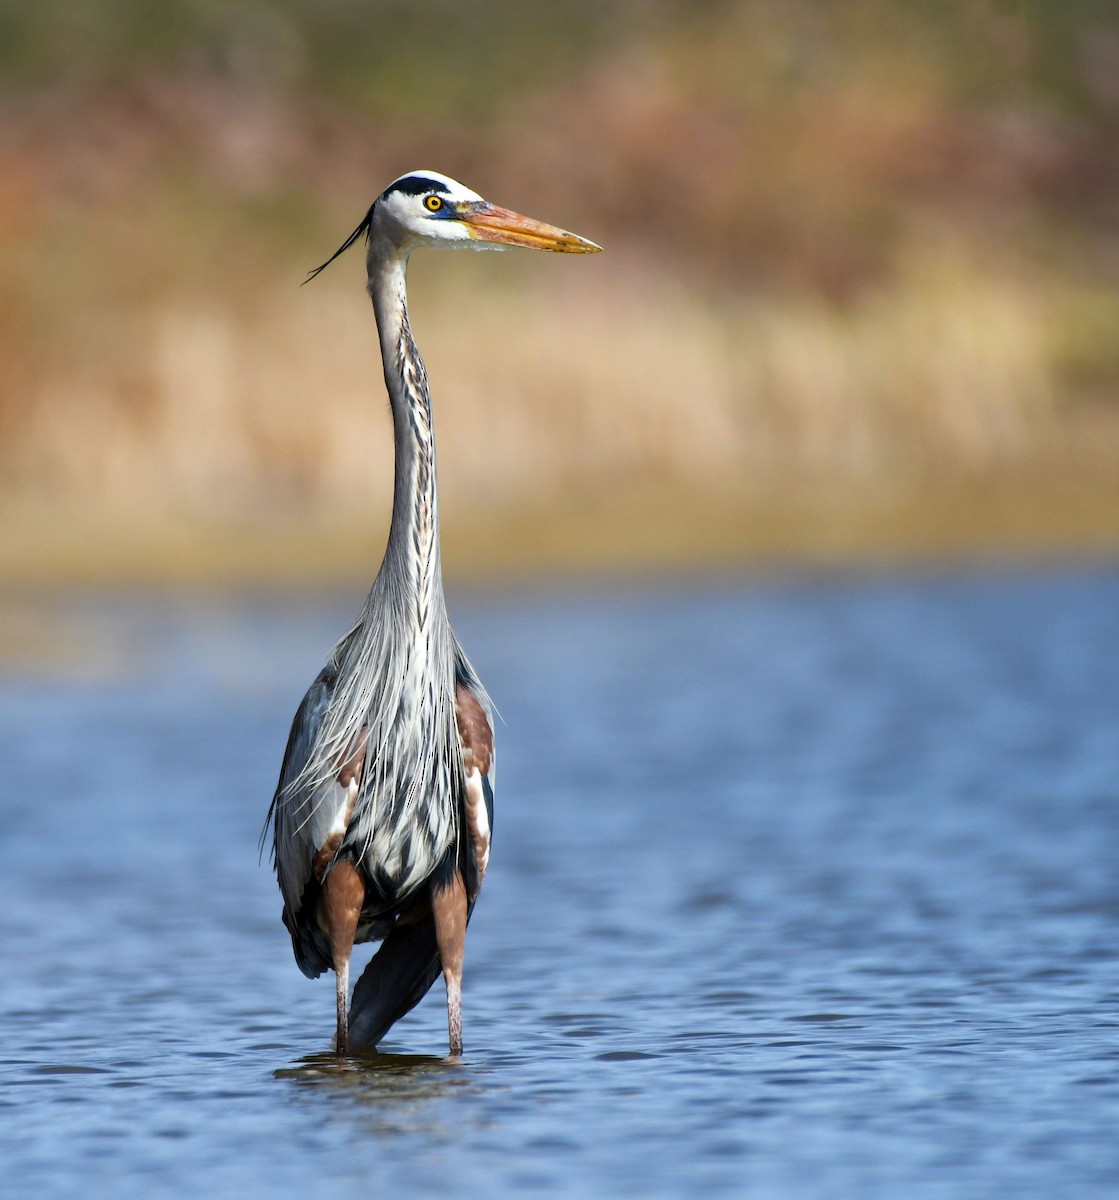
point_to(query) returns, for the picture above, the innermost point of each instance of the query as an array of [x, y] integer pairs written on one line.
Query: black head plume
[[362, 229]]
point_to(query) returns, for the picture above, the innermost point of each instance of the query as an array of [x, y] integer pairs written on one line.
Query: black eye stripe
[[416, 185]]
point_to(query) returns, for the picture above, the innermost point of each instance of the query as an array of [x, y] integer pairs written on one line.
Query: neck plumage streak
[[425, 539]]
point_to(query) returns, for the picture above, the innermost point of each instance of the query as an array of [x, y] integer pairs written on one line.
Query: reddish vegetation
[[864, 272]]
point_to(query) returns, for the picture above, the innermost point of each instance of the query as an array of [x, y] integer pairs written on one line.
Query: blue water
[[800, 889]]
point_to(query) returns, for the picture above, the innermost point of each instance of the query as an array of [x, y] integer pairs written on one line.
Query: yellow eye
[[433, 204]]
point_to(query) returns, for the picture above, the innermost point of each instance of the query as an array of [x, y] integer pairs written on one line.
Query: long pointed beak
[[500, 226]]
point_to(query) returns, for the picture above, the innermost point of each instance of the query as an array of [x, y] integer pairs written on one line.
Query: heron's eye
[[433, 204]]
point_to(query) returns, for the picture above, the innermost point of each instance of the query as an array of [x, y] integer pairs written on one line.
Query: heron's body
[[384, 807]]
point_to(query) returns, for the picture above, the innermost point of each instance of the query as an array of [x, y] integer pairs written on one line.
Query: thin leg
[[342, 992], [449, 906], [343, 897]]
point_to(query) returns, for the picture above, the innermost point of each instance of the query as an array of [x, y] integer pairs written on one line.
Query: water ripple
[[804, 889]]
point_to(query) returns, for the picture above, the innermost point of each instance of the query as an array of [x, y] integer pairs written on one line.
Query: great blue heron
[[382, 814]]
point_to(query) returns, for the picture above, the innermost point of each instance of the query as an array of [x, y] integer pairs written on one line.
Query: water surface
[[798, 889]]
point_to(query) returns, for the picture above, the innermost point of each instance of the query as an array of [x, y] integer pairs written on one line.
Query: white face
[[428, 209], [425, 208], [422, 208]]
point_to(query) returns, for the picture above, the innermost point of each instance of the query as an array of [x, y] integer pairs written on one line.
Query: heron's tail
[[397, 978]]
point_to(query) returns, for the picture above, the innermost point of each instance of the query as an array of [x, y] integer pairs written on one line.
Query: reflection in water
[[396, 1092]]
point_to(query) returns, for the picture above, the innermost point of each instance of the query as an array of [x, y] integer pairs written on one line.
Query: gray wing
[[308, 824]]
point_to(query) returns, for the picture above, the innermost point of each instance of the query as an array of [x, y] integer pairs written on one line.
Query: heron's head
[[424, 208]]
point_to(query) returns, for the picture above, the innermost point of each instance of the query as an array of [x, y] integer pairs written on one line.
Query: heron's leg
[[343, 897], [448, 903]]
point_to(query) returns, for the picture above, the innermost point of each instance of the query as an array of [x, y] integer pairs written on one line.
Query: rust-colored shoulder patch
[[474, 730], [324, 854]]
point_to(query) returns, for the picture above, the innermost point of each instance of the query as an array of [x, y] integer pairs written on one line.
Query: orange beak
[[487, 223]]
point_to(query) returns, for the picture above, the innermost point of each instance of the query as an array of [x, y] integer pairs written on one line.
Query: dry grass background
[[859, 296]]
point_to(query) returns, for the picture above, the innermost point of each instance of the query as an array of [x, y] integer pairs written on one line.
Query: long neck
[[412, 557]]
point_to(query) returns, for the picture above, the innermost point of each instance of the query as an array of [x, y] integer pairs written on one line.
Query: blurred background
[[859, 299], [851, 829]]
